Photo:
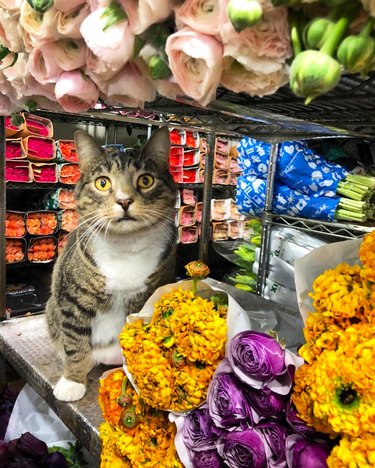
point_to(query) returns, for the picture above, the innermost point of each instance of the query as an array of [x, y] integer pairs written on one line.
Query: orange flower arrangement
[[133, 433]]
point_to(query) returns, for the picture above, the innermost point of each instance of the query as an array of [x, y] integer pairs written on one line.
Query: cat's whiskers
[[153, 221], [95, 222]]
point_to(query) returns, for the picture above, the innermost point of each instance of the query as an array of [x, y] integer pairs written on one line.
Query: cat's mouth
[[125, 218]]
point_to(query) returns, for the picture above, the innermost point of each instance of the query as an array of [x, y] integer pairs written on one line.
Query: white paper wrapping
[[309, 267], [237, 318]]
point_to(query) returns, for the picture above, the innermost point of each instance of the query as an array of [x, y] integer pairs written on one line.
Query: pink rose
[[205, 16], [144, 13], [196, 61], [113, 45], [67, 5], [253, 47], [239, 80], [130, 88], [43, 66], [69, 23], [76, 92], [10, 31]]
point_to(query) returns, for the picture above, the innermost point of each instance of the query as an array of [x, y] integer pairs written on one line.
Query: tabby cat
[[123, 249]]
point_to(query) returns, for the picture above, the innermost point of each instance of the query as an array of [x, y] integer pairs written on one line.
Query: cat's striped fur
[[123, 249]]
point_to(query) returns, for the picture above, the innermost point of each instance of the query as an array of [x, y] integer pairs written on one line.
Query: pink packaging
[[188, 197], [44, 173], [187, 215], [222, 161], [187, 234], [176, 156], [202, 160], [18, 171], [203, 145], [221, 177], [14, 149], [222, 145], [234, 167], [233, 179]]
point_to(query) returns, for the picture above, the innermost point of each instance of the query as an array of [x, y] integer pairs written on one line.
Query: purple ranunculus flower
[[260, 361], [303, 453], [209, 459], [242, 449], [199, 432], [227, 403], [300, 427], [31, 446], [4, 453], [275, 441], [55, 460], [267, 404]]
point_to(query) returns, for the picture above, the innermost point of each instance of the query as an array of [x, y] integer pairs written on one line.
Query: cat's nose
[[125, 203]]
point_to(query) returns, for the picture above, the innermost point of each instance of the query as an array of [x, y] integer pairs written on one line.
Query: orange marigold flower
[[367, 255], [109, 391]]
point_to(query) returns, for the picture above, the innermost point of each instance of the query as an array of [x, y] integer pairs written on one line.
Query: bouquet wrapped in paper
[[173, 345]]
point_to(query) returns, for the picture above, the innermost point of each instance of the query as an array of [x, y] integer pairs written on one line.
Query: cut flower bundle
[[333, 391], [200, 389]]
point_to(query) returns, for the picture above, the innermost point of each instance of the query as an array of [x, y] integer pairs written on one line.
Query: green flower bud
[[316, 33], [313, 73], [17, 120], [157, 34], [355, 53], [129, 418], [159, 68], [114, 14], [30, 105], [244, 13], [41, 6]]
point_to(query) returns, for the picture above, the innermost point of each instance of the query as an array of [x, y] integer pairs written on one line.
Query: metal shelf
[[336, 229]]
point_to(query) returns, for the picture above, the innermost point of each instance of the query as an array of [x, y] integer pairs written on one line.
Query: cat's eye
[[145, 181], [103, 184]]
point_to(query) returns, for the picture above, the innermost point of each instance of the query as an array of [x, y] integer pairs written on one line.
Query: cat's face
[[124, 192]]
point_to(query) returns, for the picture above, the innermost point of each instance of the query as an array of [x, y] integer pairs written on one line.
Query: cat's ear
[[88, 150], [158, 146]]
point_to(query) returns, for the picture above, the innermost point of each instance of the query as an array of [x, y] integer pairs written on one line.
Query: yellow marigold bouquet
[[173, 346], [334, 391], [133, 434]]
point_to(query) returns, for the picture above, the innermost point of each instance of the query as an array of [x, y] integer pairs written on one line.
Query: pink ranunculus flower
[[269, 39], [76, 92], [113, 45], [130, 88], [143, 13], [67, 5], [40, 27], [196, 61], [10, 32], [205, 16], [98, 71], [69, 23], [7, 106], [69, 53], [42, 64], [18, 74], [236, 78]]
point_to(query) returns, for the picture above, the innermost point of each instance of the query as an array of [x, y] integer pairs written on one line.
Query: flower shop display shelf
[[26, 346]]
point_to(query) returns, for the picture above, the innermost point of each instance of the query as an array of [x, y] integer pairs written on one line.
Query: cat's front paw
[[68, 390]]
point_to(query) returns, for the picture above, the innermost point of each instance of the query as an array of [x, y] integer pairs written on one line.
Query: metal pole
[[266, 221], [2, 221], [204, 240]]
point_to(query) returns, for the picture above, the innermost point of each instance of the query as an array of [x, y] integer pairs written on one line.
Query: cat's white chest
[[126, 265]]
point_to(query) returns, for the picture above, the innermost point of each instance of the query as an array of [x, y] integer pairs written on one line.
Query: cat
[[123, 249]]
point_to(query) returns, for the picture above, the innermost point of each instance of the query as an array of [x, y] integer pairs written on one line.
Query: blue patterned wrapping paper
[[297, 166], [251, 196]]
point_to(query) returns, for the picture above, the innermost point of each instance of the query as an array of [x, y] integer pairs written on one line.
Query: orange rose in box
[[42, 249], [15, 224], [69, 173], [14, 250], [41, 223]]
